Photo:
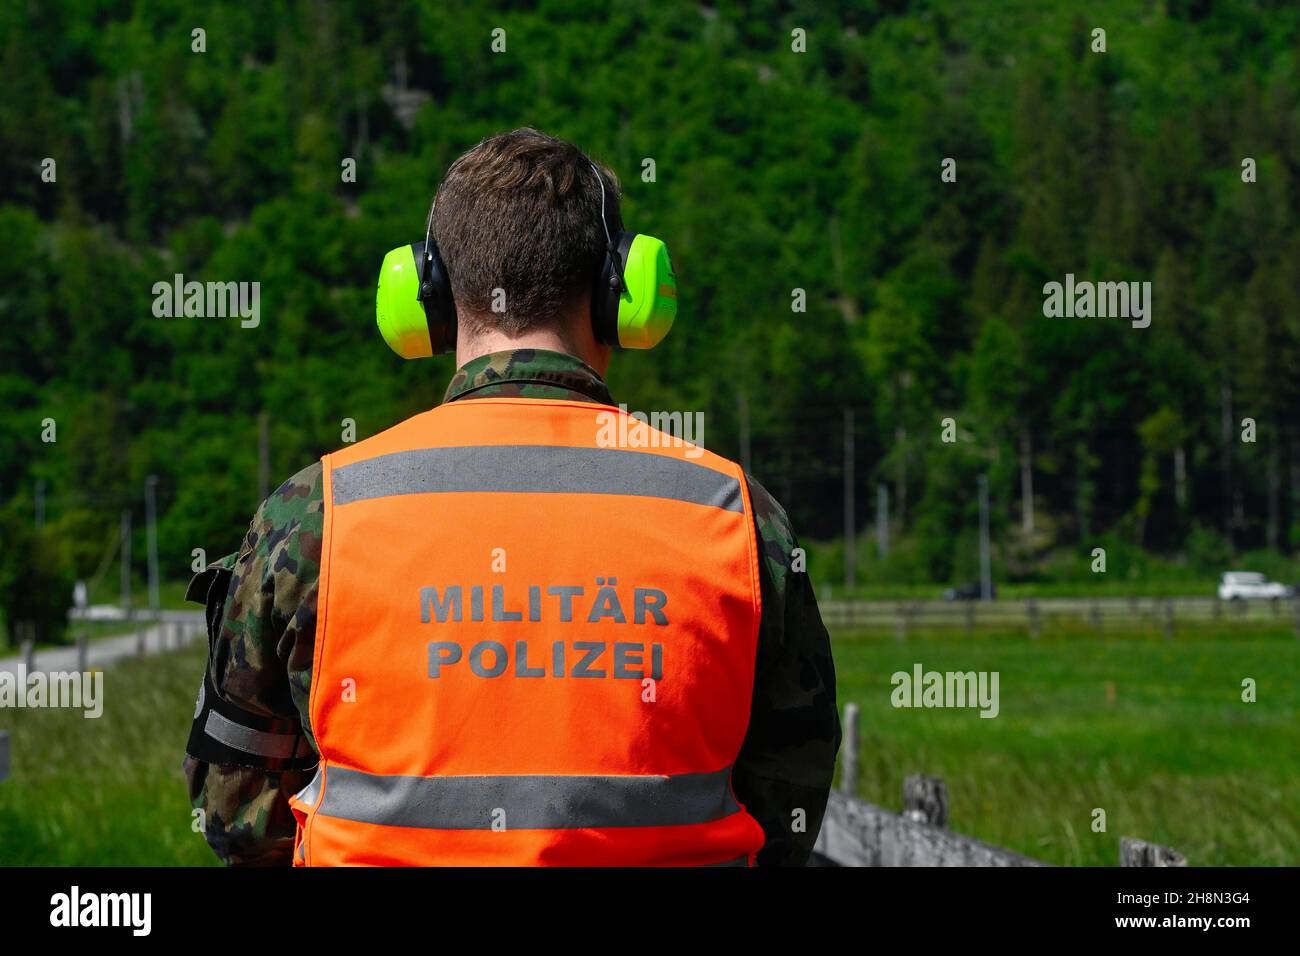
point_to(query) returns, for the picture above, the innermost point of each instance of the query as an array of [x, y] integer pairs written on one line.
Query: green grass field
[[108, 791], [1177, 758]]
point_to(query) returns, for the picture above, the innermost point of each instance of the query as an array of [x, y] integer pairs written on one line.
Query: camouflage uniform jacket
[[261, 650]]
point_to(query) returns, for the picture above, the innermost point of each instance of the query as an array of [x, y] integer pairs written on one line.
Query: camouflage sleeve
[[260, 660], [784, 771]]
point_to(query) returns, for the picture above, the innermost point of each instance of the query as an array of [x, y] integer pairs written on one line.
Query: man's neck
[[583, 346]]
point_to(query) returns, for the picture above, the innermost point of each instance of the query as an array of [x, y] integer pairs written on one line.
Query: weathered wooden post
[[83, 651], [1218, 610], [925, 800], [1094, 612], [1134, 852], [1169, 618], [970, 617], [29, 655], [178, 635], [900, 625], [849, 751], [1034, 625], [4, 755], [141, 645]]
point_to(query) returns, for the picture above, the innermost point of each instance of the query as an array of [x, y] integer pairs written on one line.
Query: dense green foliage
[[775, 171], [36, 578]]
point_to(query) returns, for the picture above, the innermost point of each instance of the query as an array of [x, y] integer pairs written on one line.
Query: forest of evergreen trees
[[774, 171]]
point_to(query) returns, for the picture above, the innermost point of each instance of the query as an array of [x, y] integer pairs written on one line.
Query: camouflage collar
[[528, 373]]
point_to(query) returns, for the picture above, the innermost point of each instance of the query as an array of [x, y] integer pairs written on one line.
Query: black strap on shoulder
[[202, 583], [209, 588], [228, 735]]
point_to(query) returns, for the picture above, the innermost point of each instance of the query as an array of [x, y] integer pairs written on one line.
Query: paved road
[[107, 650]]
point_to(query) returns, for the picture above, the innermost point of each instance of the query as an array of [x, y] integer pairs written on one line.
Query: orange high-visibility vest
[[536, 638]]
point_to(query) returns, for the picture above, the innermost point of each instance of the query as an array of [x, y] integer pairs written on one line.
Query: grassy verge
[[108, 791], [1152, 731], [1172, 754]]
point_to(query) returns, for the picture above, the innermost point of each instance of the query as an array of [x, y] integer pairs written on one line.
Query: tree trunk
[[1082, 490], [1225, 400], [1180, 477], [900, 482], [1274, 487], [1026, 482], [1294, 457]]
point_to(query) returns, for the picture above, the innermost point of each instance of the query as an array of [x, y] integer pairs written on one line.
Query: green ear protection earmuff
[[633, 297], [413, 304]]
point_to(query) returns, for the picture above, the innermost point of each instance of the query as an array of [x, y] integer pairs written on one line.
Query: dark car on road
[[968, 592]]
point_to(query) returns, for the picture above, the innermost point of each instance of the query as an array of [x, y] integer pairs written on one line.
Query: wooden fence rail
[[857, 833], [900, 617]]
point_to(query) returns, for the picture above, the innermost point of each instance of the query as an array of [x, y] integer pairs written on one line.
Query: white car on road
[[1240, 585]]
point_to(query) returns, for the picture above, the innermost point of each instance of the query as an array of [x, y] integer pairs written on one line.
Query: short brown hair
[[520, 212]]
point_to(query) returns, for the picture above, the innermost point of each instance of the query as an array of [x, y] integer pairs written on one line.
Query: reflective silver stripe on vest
[[260, 742], [535, 469], [535, 802], [310, 793]]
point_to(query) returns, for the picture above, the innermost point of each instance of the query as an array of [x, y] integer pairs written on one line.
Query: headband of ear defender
[[633, 297]]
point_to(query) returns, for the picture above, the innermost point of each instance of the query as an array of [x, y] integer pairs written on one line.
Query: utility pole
[[986, 573], [849, 533], [882, 518], [1225, 420], [126, 562], [151, 525], [1026, 482], [40, 504], [263, 457]]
